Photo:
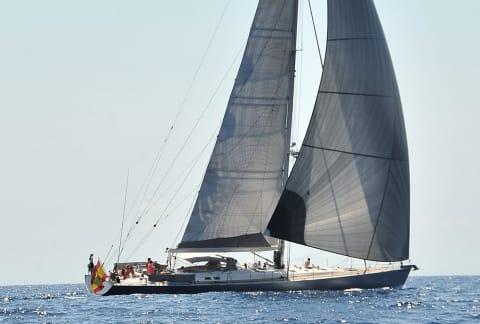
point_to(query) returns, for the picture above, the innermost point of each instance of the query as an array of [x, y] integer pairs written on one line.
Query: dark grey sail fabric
[[348, 192], [248, 168]]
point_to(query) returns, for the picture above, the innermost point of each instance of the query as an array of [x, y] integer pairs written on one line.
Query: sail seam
[[379, 211], [273, 30], [355, 38], [351, 153], [335, 201], [261, 98], [383, 198], [356, 94]]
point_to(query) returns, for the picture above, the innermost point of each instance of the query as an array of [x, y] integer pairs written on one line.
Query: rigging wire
[[148, 208], [190, 87], [123, 216], [197, 159], [119, 235], [147, 180], [185, 98], [149, 177], [184, 180], [189, 212], [175, 180], [183, 146], [108, 254], [315, 30]]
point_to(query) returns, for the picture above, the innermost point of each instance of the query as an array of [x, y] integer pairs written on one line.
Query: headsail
[[348, 192], [248, 168]]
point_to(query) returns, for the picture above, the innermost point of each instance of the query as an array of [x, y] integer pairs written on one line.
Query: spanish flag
[[99, 276]]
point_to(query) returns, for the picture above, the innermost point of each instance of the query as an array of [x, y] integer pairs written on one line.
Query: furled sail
[[248, 168], [348, 192]]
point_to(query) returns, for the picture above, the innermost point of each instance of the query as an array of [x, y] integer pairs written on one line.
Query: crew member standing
[[90, 264], [150, 267]]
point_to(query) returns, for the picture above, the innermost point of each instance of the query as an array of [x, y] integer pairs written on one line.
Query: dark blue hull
[[392, 278]]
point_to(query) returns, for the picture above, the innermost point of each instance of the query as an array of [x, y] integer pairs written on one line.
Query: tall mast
[[278, 255]]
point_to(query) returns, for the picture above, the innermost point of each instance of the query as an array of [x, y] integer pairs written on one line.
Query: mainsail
[[348, 192], [248, 168]]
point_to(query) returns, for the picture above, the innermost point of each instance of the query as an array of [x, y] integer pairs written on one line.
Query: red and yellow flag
[[99, 276]]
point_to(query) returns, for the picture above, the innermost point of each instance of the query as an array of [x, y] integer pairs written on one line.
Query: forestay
[[248, 168], [348, 192]]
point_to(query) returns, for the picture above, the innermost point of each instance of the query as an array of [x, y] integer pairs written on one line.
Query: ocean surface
[[422, 300]]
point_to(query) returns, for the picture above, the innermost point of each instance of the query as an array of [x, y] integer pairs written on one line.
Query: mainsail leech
[[348, 192], [248, 168]]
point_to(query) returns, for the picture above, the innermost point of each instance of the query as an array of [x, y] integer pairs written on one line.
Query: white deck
[[245, 275]]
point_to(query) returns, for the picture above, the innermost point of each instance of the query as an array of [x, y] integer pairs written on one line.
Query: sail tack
[[348, 192], [248, 168]]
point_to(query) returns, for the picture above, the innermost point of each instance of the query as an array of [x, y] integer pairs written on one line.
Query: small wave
[[404, 288], [286, 319], [75, 297], [47, 296], [42, 296], [408, 304], [13, 311], [40, 312]]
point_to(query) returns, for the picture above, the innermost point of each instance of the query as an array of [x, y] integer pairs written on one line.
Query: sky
[[89, 91]]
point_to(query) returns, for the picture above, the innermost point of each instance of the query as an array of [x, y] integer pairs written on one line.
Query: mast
[[278, 255]]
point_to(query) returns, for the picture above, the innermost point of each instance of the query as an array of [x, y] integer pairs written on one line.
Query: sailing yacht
[[347, 193]]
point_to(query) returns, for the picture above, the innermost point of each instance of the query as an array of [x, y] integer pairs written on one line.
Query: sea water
[[421, 300]]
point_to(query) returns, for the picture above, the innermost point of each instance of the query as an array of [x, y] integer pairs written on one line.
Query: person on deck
[[130, 272], [150, 267], [90, 264], [114, 274], [307, 264], [169, 258]]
